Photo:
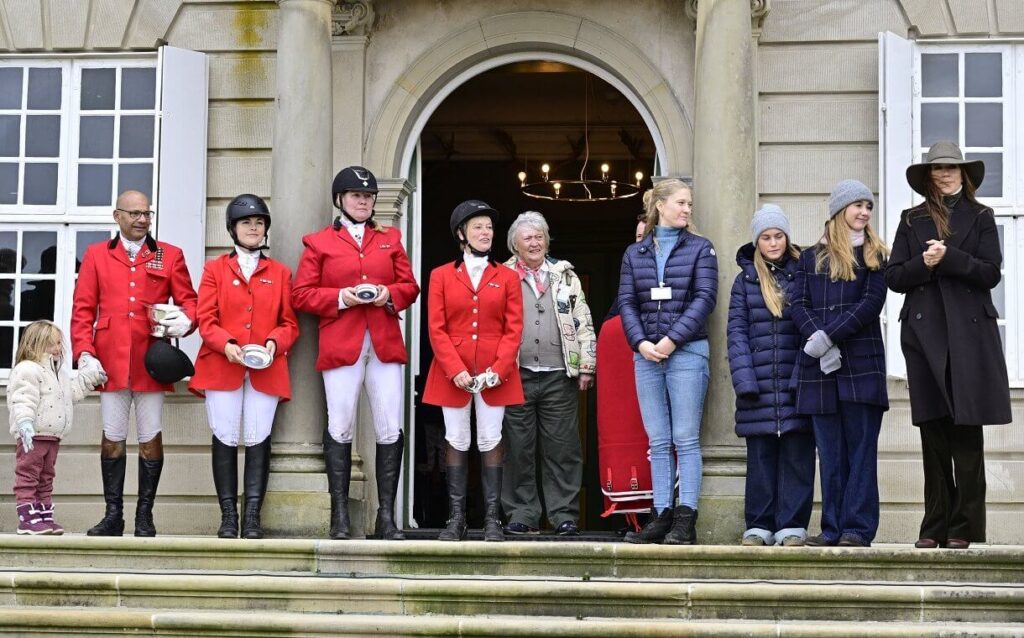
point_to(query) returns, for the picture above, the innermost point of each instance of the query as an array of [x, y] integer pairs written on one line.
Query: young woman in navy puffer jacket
[[763, 348], [667, 288]]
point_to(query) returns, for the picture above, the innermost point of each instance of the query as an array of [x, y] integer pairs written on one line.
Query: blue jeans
[[671, 395], [780, 485], [847, 443]]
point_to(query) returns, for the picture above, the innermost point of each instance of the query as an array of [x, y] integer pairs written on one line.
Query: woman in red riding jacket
[[475, 316], [244, 298], [355, 275]]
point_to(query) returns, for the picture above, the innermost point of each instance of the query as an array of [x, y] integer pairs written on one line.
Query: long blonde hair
[[773, 294], [835, 250], [36, 341], [660, 193]]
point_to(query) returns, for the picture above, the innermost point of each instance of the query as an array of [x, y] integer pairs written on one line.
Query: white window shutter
[[895, 153], [181, 184]]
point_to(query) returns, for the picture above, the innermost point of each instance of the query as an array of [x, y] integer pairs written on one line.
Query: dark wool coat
[[762, 351], [848, 312], [692, 273], [953, 299]]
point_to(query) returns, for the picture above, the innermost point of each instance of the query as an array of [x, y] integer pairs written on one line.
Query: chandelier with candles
[[579, 189]]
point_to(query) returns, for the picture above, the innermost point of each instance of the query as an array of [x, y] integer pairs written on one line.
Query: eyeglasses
[[136, 214]]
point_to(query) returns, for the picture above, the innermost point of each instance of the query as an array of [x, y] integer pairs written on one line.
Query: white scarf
[[475, 266], [356, 230], [132, 247], [247, 261]]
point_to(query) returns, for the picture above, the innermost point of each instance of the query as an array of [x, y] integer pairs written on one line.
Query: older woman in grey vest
[[556, 362]]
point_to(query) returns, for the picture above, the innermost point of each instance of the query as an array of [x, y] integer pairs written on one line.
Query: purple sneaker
[[46, 509], [30, 520]]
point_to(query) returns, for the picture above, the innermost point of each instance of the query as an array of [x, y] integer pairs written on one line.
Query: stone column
[[297, 502], [725, 190]]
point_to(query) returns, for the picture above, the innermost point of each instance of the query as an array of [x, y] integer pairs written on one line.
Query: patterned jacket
[[848, 312], [575, 325]]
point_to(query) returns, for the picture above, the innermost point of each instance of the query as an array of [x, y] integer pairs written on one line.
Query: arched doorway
[[473, 140]]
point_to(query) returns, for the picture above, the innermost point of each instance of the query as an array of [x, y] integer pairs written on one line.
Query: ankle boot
[[225, 480], [257, 471], [389, 466], [46, 509], [655, 529], [338, 459], [112, 523], [456, 476], [490, 478], [684, 526]]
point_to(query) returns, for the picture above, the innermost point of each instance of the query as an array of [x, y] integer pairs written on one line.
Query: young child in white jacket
[[39, 400]]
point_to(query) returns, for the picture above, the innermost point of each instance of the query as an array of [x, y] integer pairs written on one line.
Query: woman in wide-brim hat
[[946, 258]]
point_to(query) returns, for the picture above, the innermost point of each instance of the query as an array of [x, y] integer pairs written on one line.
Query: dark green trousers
[[545, 427]]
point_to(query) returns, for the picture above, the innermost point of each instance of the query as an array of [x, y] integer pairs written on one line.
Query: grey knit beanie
[[769, 216], [847, 192]]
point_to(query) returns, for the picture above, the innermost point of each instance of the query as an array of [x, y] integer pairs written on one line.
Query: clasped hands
[[487, 379], [657, 353], [936, 251]]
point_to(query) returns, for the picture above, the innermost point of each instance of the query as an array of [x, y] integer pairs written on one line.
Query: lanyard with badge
[[661, 292]]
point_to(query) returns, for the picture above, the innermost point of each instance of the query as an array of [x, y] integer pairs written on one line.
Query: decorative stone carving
[[759, 9], [352, 18]]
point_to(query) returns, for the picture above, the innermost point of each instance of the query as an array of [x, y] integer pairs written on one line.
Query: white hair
[[532, 219]]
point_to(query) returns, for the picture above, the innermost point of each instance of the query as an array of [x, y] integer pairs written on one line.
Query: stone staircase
[[190, 586]]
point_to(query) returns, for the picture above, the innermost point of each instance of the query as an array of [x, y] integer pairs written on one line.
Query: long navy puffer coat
[[762, 352]]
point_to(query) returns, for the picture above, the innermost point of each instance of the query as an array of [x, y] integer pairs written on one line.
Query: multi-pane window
[[73, 134]]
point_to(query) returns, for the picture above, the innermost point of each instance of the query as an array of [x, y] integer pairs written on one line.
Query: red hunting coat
[[332, 261], [109, 316], [231, 309], [472, 330]]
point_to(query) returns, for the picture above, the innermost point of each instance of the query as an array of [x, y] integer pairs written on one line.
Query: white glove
[[818, 344], [177, 323], [92, 376], [87, 362], [26, 431]]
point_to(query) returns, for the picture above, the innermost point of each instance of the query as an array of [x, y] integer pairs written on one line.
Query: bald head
[[129, 204]]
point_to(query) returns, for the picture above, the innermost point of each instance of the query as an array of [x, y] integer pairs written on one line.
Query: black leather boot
[[490, 477], [338, 459], [257, 471], [389, 466], [112, 471], [684, 526], [456, 475], [655, 529], [225, 480]]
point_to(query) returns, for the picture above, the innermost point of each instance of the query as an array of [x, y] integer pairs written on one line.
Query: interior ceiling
[[534, 112]]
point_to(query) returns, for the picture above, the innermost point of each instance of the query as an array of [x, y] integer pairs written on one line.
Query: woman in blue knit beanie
[[763, 348], [840, 373], [667, 288]]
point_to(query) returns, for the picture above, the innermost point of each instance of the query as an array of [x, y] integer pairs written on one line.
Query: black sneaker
[[520, 529], [819, 541], [655, 529], [568, 528]]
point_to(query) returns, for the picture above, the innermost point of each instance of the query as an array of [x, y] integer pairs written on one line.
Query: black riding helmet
[[353, 178], [166, 363], [245, 206], [467, 210]]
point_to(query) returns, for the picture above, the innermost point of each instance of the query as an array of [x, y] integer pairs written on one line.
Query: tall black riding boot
[[257, 471], [112, 465], [338, 459], [389, 466], [225, 480], [456, 475], [151, 464], [491, 469]]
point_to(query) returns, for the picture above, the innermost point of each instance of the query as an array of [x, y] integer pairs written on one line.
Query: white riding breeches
[[245, 414], [116, 406], [383, 384], [488, 425]]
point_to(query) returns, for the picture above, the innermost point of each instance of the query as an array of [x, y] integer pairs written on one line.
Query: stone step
[[113, 621], [882, 563], [618, 598]]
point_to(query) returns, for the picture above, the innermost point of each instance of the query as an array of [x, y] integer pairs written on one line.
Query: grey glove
[[88, 362], [93, 376], [26, 431], [831, 360], [817, 345]]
